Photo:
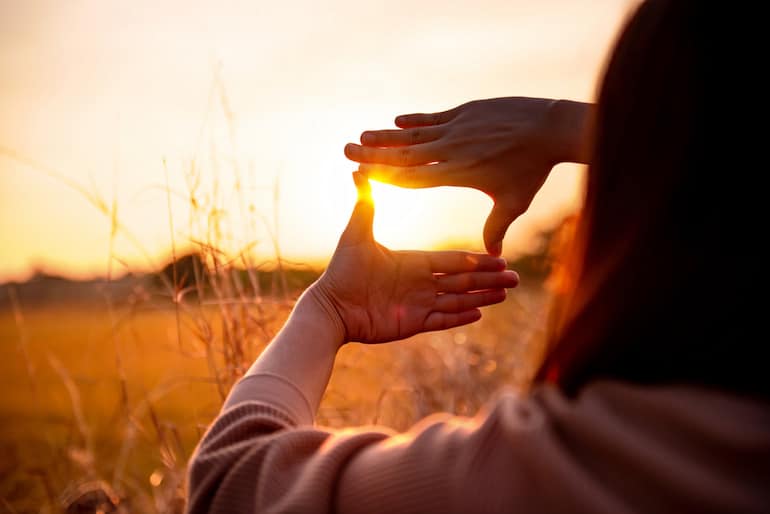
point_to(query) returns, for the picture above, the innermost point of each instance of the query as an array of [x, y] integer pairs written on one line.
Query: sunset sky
[[96, 95]]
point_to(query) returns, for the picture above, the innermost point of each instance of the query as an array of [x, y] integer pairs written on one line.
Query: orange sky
[[102, 92]]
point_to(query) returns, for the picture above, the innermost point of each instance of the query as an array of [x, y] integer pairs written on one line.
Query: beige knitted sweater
[[615, 448]]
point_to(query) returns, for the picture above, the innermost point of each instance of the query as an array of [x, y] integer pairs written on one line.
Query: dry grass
[[84, 414], [73, 414], [104, 401]]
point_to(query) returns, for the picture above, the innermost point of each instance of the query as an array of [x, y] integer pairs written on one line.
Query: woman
[[652, 397]]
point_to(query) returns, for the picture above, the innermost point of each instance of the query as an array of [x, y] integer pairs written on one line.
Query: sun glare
[[424, 219], [399, 216]]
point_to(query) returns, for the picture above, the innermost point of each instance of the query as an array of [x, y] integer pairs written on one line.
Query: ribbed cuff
[[273, 390]]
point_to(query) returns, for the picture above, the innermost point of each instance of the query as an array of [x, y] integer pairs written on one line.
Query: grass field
[[114, 398]]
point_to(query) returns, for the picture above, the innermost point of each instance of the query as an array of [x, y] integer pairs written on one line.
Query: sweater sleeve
[[616, 448]]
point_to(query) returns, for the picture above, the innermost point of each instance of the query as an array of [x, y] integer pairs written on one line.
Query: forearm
[[569, 124], [303, 351]]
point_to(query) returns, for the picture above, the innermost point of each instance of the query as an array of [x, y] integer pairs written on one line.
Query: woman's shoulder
[[683, 403], [689, 410], [656, 411], [614, 447], [666, 445]]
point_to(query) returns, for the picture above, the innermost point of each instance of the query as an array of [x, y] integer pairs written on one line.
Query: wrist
[[317, 307], [567, 122]]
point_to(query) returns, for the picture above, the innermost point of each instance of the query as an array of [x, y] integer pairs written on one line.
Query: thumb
[[497, 224], [359, 227]]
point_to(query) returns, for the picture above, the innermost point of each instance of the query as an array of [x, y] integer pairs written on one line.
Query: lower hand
[[378, 295]]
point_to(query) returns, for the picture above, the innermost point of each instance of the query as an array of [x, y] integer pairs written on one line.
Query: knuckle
[[404, 157], [473, 162]]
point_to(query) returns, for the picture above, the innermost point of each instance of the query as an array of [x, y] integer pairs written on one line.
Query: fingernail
[[502, 263], [367, 138], [349, 148]]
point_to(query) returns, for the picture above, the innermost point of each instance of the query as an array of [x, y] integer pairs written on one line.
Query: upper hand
[[379, 295], [503, 146]]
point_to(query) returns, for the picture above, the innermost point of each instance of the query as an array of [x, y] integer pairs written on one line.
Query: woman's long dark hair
[[660, 287]]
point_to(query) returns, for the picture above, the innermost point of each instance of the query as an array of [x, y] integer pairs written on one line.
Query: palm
[[382, 295]]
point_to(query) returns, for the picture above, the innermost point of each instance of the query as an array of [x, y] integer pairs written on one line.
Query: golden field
[[111, 397]]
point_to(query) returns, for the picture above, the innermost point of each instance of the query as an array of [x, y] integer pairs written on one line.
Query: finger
[[422, 175], [425, 120], [476, 281], [402, 156], [443, 320], [454, 261], [360, 225], [451, 302], [406, 137], [498, 221]]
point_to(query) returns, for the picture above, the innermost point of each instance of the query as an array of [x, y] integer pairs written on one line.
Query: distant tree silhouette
[[182, 272], [190, 274]]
